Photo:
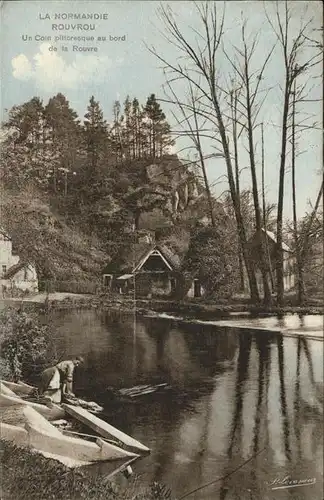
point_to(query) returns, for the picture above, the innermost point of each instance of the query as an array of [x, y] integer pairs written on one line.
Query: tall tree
[[93, 186], [291, 46], [25, 159], [157, 127], [95, 136], [136, 125], [116, 132], [200, 68], [127, 131], [63, 136], [250, 105], [192, 126], [211, 258]]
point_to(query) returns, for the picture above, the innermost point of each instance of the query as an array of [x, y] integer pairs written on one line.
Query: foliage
[[211, 258], [310, 246], [59, 250], [62, 178], [74, 191], [26, 474], [26, 345]]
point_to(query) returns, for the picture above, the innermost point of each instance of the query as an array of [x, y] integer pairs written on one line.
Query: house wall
[[288, 265], [158, 284], [24, 280], [6, 257]]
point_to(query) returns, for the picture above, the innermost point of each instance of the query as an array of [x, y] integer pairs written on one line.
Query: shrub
[[26, 346], [212, 258], [26, 474]]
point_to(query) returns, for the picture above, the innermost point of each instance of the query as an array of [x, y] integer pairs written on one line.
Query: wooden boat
[[13, 394], [25, 427]]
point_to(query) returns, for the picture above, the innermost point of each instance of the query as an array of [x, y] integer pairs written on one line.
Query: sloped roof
[[172, 259], [171, 256], [273, 237], [138, 254], [10, 273], [5, 234]]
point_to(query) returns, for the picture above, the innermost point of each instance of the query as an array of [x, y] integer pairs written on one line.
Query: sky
[[36, 63]]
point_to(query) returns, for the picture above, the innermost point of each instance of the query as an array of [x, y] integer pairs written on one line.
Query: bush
[[212, 258], [26, 474], [26, 346]]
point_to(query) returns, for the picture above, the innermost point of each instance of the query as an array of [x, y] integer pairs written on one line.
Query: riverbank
[[199, 308], [27, 474]]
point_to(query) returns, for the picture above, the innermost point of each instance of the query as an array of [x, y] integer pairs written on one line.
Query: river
[[240, 393]]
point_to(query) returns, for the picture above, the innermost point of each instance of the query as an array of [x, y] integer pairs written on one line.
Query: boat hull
[[25, 427], [28, 424]]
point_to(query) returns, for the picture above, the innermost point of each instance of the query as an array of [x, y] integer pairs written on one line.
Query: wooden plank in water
[[103, 428]]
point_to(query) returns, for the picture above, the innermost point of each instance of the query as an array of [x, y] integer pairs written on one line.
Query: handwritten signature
[[288, 482]]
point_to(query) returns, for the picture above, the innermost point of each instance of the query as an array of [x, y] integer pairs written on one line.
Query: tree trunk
[[264, 212], [238, 215], [237, 182], [241, 269], [300, 274], [262, 257], [279, 254], [203, 167]]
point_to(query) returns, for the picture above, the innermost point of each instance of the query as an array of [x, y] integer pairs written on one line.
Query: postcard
[[161, 249]]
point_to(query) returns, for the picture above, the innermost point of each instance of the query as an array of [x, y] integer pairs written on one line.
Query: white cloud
[[50, 70], [22, 69]]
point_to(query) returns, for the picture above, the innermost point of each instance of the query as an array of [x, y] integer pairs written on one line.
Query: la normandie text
[[68, 16], [77, 17]]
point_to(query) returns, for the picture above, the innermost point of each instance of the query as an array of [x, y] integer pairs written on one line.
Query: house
[[149, 270], [7, 259], [16, 276], [270, 244]]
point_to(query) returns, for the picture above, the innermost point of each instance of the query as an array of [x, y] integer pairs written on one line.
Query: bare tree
[[196, 131], [200, 69], [300, 280], [250, 105], [291, 48], [234, 97], [305, 235]]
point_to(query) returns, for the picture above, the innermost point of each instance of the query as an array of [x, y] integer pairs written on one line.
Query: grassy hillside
[[42, 237]]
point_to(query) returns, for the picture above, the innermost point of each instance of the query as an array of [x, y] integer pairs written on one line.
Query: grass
[[26, 474]]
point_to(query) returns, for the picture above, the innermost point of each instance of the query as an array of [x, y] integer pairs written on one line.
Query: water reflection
[[283, 396], [245, 342], [237, 394]]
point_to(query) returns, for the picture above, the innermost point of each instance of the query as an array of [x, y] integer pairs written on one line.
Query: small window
[[4, 269]]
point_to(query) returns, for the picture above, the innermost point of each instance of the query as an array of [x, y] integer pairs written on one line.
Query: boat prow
[[28, 423], [26, 428]]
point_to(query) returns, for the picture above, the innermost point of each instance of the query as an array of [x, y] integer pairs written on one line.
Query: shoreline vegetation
[[27, 474], [26, 347], [201, 309]]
